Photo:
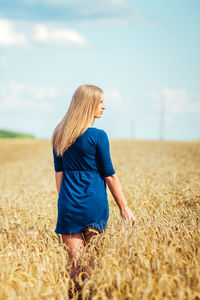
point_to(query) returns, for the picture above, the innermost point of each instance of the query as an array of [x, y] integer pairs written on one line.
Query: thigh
[[90, 232], [74, 241]]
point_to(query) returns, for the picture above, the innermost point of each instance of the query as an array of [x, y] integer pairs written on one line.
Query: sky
[[145, 55]]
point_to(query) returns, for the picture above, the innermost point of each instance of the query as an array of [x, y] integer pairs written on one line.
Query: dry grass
[[157, 259]]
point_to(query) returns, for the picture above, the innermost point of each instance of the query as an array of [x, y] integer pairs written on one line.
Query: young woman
[[83, 167]]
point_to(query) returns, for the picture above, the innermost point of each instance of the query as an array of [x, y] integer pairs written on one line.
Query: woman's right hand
[[127, 215]]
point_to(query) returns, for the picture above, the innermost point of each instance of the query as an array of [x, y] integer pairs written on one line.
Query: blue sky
[[141, 53]]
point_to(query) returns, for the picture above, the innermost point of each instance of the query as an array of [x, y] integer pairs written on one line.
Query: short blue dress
[[82, 199]]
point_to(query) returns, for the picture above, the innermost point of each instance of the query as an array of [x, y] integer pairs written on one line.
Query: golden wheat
[[159, 258]]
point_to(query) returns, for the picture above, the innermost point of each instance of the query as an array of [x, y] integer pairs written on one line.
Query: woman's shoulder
[[97, 131], [99, 135]]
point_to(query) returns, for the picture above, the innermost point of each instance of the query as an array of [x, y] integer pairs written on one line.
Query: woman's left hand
[[127, 215]]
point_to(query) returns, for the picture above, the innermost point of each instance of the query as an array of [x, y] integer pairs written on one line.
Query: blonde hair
[[79, 116]]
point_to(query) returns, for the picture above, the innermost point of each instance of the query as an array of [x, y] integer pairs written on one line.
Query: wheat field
[[159, 258]]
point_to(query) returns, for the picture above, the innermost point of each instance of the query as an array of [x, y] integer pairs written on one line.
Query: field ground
[[157, 259]]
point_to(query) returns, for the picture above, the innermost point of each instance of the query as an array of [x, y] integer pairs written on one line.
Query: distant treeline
[[13, 134]]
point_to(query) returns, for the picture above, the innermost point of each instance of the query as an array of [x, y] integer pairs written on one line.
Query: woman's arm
[[116, 190], [58, 178]]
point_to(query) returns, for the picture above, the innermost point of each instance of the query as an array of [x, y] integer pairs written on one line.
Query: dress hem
[[72, 232]]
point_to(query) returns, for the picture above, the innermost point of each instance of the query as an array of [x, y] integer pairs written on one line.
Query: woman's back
[[90, 152], [83, 199]]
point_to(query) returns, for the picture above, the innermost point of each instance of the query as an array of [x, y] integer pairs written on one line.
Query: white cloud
[[115, 11], [44, 34], [9, 36], [106, 12], [174, 102], [18, 96], [113, 98], [37, 33]]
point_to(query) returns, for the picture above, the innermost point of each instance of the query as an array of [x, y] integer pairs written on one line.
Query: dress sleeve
[[58, 166], [103, 155]]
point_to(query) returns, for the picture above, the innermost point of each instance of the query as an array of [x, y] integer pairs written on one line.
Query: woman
[[83, 167]]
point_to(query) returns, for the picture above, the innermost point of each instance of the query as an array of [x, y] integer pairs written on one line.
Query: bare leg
[[75, 242], [88, 234]]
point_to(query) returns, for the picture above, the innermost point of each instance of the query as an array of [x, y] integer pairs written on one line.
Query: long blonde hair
[[79, 116]]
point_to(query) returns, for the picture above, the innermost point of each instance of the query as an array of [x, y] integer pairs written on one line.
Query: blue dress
[[82, 199]]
